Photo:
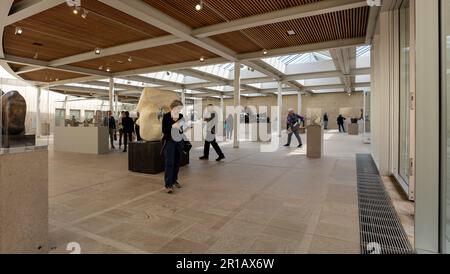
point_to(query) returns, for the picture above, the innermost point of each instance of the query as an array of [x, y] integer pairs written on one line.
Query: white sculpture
[[153, 104]]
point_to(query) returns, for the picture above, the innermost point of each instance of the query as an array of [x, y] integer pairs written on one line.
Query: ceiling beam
[[29, 8], [351, 42], [45, 65], [302, 11], [321, 87], [80, 90], [153, 16], [372, 23]]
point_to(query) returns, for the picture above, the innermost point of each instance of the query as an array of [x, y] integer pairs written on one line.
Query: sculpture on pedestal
[[151, 107], [14, 111]]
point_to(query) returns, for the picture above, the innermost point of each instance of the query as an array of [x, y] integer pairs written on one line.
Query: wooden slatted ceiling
[[63, 34], [169, 54], [327, 27], [219, 11], [47, 74]]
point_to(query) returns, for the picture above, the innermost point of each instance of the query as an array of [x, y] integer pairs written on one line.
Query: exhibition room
[[224, 127]]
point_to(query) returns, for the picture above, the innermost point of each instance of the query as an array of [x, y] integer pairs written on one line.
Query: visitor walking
[[210, 139], [293, 128], [172, 130], [340, 122], [325, 121], [229, 123], [112, 129], [128, 128]]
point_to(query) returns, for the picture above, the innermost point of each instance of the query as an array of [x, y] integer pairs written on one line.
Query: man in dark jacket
[[128, 128], [340, 122], [112, 128], [212, 122]]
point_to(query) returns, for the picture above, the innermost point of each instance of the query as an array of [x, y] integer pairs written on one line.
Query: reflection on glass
[[404, 120], [446, 118]]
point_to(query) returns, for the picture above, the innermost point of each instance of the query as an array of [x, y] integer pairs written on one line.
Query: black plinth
[[145, 157], [13, 141]]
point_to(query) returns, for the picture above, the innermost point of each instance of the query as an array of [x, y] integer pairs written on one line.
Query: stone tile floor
[[253, 202]]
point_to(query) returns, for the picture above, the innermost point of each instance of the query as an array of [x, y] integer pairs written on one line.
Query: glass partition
[[445, 168], [24, 117]]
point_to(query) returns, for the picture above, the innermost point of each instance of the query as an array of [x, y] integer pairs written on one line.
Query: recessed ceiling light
[[76, 10], [108, 69], [199, 6], [291, 32], [265, 52], [18, 31], [97, 51], [202, 59], [130, 59]]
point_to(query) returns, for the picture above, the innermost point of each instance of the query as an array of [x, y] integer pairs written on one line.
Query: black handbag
[[187, 147]]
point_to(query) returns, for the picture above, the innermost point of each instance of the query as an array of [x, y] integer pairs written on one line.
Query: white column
[[222, 104], [111, 93], [280, 108], [116, 105], [299, 103], [38, 113], [237, 102], [183, 99]]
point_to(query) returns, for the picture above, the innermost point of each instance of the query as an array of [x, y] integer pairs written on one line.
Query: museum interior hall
[[328, 117]]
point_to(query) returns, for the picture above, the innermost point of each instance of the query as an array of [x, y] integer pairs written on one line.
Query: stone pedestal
[[264, 132], [145, 157], [353, 129], [88, 140], [314, 141], [24, 203]]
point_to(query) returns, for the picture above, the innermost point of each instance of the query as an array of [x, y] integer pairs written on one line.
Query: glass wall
[[404, 98], [445, 168]]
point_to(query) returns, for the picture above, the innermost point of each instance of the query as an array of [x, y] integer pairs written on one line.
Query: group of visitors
[[126, 127]]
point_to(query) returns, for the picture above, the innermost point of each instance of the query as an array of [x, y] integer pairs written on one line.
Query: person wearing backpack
[[293, 128]]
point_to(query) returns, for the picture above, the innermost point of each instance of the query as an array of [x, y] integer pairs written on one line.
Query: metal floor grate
[[381, 231]]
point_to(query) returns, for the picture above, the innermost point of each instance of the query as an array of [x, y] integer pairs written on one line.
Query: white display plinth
[[87, 140], [24, 203]]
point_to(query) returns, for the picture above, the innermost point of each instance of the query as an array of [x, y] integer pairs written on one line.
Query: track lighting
[[97, 51], [85, 14], [18, 31], [199, 6]]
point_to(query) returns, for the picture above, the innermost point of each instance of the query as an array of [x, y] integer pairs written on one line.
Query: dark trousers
[[138, 133], [341, 126], [120, 137], [297, 135], [112, 132], [172, 158], [215, 146], [127, 136]]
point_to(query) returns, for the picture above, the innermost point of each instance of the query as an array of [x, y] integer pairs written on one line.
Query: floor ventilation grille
[[380, 226]]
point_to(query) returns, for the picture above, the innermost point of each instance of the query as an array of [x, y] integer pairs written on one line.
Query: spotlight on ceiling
[[76, 10], [108, 69], [36, 55], [18, 31], [265, 52], [130, 59], [202, 59], [85, 14], [199, 6], [100, 67], [291, 33], [97, 51]]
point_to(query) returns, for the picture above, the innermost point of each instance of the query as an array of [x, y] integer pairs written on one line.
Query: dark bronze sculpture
[[14, 111]]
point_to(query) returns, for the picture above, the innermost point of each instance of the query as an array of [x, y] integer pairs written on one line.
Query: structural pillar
[[111, 93], [280, 108], [237, 103], [38, 113], [299, 102], [183, 99], [116, 105]]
